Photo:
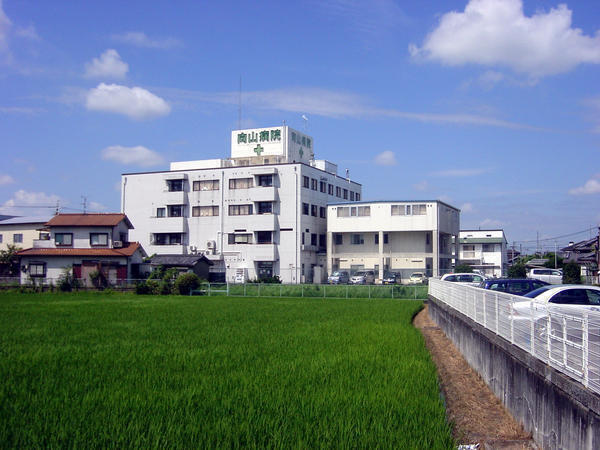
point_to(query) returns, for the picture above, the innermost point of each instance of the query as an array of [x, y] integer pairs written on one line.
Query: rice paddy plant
[[118, 370]]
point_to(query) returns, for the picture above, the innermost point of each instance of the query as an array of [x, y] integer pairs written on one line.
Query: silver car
[[338, 277], [363, 277]]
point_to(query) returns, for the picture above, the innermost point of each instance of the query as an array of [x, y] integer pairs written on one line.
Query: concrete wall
[[558, 411]]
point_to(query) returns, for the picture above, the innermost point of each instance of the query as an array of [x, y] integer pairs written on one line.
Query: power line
[[558, 237]]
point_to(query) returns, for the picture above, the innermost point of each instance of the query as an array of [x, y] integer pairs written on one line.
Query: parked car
[[569, 296], [363, 277], [471, 279], [552, 276], [417, 278], [339, 277], [516, 286], [391, 278]]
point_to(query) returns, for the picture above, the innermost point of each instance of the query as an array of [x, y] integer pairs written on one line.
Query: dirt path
[[478, 416]]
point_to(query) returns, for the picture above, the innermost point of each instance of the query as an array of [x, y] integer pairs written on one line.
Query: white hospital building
[[262, 212]]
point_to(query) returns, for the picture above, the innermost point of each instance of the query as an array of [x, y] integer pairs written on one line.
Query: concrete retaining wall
[[558, 411]]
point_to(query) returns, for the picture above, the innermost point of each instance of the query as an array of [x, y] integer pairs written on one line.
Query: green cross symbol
[[258, 149], [301, 152]]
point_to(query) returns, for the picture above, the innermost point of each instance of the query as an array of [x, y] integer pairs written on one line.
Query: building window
[[357, 197], [37, 269], [468, 251], [376, 238], [322, 186], [264, 237], [343, 211], [303, 238], [488, 247], [63, 239], [265, 208], [240, 183], [98, 239], [313, 239], [322, 241], [330, 189], [322, 212], [0, 239], [239, 238], [400, 210], [18, 238], [314, 210], [206, 185], [339, 238], [419, 210], [385, 238], [175, 185], [240, 210], [161, 212], [265, 180], [306, 182], [167, 239], [364, 211], [338, 191], [205, 211], [357, 239], [314, 184], [305, 208], [351, 196], [345, 194], [175, 210]]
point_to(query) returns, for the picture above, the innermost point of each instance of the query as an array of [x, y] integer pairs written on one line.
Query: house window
[[241, 183], [330, 189], [322, 212], [175, 185], [239, 238], [385, 238], [161, 212], [357, 239], [339, 239], [364, 211], [376, 238], [343, 212], [357, 197], [264, 237], [240, 210], [265, 208], [345, 194], [205, 211], [18, 238], [306, 182], [488, 247], [313, 184], [313, 239], [322, 241], [37, 269], [63, 239], [419, 210], [305, 208], [353, 210], [351, 196], [322, 186], [313, 210], [400, 210], [175, 210], [338, 191], [265, 180], [206, 185], [167, 238], [98, 239]]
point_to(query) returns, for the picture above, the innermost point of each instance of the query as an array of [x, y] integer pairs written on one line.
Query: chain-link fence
[[566, 338]]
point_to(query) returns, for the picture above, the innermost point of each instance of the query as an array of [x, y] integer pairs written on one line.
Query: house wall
[[56, 265], [81, 235], [493, 263], [28, 230]]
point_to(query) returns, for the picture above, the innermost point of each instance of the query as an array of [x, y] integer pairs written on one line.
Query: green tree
[[187, 282], [571, 273], [9, 260], [463, 268], [517, 270], [550, 263]]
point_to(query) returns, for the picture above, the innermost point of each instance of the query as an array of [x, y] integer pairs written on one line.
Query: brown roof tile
[[127, 250], [88, 220]]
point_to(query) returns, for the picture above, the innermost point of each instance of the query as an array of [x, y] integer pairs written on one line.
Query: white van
[[552, 276]]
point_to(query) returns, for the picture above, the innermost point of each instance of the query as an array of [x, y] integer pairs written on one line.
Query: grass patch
[[118, 370], [326, 291]]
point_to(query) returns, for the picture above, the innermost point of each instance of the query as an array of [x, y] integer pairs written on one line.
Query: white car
[[471, 279], [552, 276], [417, 278], [568, 296], [363, 277]]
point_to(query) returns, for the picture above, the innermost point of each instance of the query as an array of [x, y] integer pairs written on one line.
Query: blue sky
[[490, 105]]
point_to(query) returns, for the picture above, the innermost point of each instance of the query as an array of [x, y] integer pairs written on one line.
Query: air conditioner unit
[[117, 244], [211, 245]]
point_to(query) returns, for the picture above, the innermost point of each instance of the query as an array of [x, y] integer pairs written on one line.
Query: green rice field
[[117, 370]]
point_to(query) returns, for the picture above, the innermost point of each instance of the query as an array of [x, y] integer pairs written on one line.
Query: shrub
[[98, 279], [142, 288], [186, 282], [463, 268], [571, 273], [517, 270]]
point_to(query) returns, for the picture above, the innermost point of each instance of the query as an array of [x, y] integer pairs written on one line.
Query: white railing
[[565, 338]]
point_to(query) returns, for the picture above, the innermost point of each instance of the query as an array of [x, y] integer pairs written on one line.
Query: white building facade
[[484, 250], [260, 213], [396, 236]]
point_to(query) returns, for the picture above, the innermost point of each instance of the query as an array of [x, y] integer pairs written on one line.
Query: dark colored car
[[391, 278], [516, 286]]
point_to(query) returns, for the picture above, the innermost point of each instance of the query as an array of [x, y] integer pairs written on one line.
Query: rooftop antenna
[[84, 203], [348, 174], [305, 122], [57, 210], [240, 106]]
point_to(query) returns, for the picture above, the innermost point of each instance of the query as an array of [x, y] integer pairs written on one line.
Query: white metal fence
[[566, 338]]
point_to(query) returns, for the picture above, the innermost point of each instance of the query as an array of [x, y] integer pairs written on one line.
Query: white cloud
[[108, 65], [497, 33], [140, 39], [136, 102], [459, 172], [422, 186], [139, 155], [30, 203], [466, 208], [6, 179], [490, 223], [96, 207], [386, 158], [591, 186]]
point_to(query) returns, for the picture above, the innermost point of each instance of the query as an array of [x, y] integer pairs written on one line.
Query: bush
[[517, 270], [142, 288], [463, 268], [186, 282], [267, 280], [98, 279], [571, 273]]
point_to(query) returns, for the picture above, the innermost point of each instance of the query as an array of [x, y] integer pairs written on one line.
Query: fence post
[[244, 289], [259, 289], [512, 324], [227, 287], [415, 291], [369, 291], [585, 326], [484, 304], [324, 287], [346, 292], [209, 289], [392, 292], [496, 313], [302, 290], [280, 286], [564, 335], [531, 329]]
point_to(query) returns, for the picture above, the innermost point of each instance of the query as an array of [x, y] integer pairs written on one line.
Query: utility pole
[[555, 254]]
